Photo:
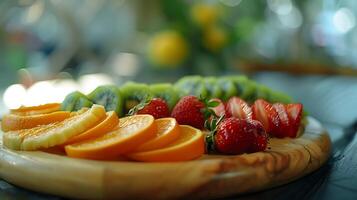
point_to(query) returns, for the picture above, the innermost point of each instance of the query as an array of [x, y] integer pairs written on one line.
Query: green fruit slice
[[192, 85], [249, 90], [82, 102], [167, 92], [213, 89], [108, 96], [280, 97], [134, 93], [229, 88], [75, 101], [245, 87], [262, 92]]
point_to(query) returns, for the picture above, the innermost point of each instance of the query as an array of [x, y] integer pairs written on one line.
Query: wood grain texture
[[212, 176]]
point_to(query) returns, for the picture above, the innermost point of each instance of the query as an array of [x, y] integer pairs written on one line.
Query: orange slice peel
[[50, 135], [35, 110], [168, 130], [190, 145], [12, 122], [131, 132], [105, 126]]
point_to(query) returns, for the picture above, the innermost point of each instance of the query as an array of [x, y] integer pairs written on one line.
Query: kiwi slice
[[167, 92], [213, 89], [229, 88], [245, 87], [244, 84], [82, 102], [248, 90], [134, 93], [75, 101], [262, 92], [192, 85], [108, 96], [276, 96]]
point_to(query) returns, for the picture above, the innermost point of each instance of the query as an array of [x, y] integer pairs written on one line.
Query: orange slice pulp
[[11, 122], [168, 131], [35, 110], [131, 132], [188, 146], [108, 124], [50, 135]]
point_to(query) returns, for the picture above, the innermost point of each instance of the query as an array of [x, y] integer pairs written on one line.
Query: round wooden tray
[[212, 176]]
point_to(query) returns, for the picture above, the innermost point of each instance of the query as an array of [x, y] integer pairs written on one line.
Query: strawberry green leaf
[[213, 104], [209, 141], [140, 106]]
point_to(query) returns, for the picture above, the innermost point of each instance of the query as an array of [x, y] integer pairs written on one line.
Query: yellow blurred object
[[204, 14], [215, 38], [168, 48]]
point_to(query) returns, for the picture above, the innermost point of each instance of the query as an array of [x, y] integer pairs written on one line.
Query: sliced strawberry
[[260, 110], [279, 120], [284, 129], [220, 110], [267, 114], [238, 108], [294, 112]]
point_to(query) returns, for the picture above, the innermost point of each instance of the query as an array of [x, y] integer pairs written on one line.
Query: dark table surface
[[333, 101]]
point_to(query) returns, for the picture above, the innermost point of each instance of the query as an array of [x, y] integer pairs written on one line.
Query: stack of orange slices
[[93, 133]]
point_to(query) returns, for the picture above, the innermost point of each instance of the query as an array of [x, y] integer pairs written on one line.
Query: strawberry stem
[[208, 105], [212, 125], [209, 141], [141, 105]]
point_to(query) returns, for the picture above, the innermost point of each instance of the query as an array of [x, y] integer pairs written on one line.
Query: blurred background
[[305, 48]]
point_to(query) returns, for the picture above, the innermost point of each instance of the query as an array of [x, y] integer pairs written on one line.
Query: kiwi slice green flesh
[[229, 88], [263, 92], [244, 86], [167, 92], [134, 93], [192, 85], [70, 102], [213, 89], [81, 103], [276, 96], [108, 96]]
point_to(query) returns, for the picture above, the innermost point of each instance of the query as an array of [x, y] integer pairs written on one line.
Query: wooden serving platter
[[212, 176]]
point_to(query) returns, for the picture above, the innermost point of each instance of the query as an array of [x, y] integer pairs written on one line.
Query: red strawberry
[[260, 143], [266, 114], [157, 107], [236, 136], [220, 110], [279, 120], [238, 108], [189, 111], [261, 138], [284, 128], [295, 115]]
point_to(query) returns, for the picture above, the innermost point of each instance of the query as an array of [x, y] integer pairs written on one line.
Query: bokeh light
[[14, 96], [344, 20]]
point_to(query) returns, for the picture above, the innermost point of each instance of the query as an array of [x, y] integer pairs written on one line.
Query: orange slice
[[168, 131], [188, 146], [108, 124], [50, 135], [35, 110], [131, 132], [12, 122]]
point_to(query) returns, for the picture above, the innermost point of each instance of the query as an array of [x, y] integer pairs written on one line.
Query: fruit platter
[[201, 137]]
